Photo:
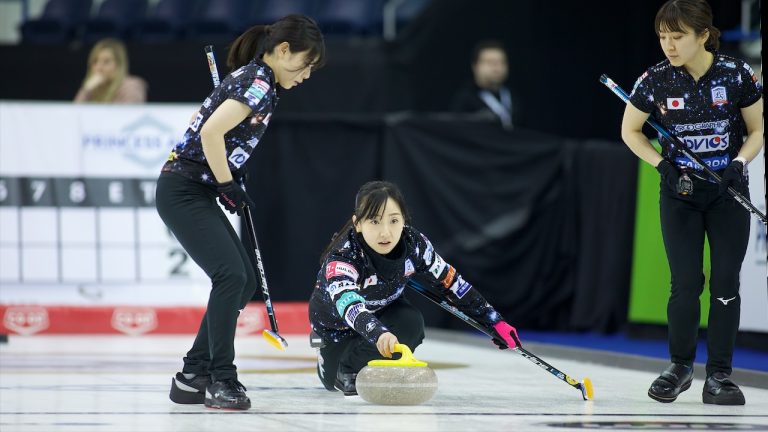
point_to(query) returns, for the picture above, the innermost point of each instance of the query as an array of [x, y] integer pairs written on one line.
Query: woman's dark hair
[[301, 32], [369, 203], [694, 14]]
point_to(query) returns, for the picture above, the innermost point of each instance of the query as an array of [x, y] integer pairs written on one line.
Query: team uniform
[[706, 116], [186, 201], [358, 296], [253, 85]]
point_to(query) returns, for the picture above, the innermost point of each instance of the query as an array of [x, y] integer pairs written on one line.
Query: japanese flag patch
[[675, 103]]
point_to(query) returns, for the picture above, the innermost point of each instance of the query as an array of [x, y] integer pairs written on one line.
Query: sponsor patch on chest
[[719, 96]]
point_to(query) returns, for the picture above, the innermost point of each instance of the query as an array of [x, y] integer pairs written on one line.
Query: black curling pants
[[352, 354], [684, 221], [190, 211]]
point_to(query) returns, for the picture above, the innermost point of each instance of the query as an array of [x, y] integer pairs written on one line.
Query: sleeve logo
[[256, 91], [340, 268]]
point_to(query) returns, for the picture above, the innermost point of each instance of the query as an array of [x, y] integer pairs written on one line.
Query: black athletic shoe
[[227, 394], [673, 381], [346, 383], [720, 390], [189, 391]]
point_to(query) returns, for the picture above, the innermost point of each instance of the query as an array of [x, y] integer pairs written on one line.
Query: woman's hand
[[386, 344], [94, 81]]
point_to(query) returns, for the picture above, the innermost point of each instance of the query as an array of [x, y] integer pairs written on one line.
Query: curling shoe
[[189, 391], [673, 381], [720, 390], [346, 383], [227, 394]]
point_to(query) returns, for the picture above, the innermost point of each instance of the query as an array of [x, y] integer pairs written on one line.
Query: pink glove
[[507, 334]]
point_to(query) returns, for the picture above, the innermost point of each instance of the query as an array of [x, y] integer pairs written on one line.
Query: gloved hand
[[233, 197], [669, 174], [733, 175], [507, 336]]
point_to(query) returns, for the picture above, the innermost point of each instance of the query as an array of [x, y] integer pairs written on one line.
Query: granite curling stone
[[405, 381]]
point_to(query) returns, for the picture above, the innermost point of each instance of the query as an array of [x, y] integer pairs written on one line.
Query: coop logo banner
[[134, 321], [714, 163], [706, 143], [26, 320]]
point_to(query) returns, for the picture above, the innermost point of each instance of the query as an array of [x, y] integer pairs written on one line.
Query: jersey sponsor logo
[[238, 157], [386, 301], [437, 266], [256, 91], [196, 122], [207, 102], [717, 126], [371, 280], [715, 163], [719, 96], [353, 312], [409, 270], [639, 80], [728, 64], [706, 143], [340, 268], [370, 326], [460, 287], [238, 72], [675, 103], [347, 299], [449, 277], [339, 286], [428, 253]]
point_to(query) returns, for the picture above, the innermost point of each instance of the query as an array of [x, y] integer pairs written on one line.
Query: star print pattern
[[705, 115], [252, 85], [352, 286]]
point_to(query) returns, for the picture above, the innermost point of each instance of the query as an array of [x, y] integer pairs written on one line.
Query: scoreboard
[[77, 201]]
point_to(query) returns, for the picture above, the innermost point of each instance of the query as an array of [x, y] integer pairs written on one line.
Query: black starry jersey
[[253, 85], [350, 290], [706, 114]]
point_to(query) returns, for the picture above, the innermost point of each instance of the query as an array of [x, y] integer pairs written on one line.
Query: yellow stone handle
[[406, 359]]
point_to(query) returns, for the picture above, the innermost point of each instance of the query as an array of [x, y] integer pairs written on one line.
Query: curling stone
[[405, 381]]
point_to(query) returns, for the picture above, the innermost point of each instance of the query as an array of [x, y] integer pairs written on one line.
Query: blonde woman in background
[[107, 79]]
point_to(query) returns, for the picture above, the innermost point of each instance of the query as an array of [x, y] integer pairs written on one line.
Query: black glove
[[233, 197], [669, 174], [733, 175]]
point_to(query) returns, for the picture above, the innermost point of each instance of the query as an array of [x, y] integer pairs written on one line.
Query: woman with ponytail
[[712, 102], [209, 163], [357, 309]]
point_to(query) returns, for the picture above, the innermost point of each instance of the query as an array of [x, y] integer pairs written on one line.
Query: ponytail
[[247, 46], [302, 34]]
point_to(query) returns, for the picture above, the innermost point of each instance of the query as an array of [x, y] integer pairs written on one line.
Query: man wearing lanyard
[[488, 94]]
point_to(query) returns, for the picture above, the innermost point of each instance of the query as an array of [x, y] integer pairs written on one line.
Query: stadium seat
[[166, 21], [115, 18], [58, 24]]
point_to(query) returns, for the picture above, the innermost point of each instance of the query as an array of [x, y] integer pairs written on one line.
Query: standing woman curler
[[712, 102], [209, 163]]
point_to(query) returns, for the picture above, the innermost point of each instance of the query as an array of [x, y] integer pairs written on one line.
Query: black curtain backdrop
[[557, 51], [542, 226]]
